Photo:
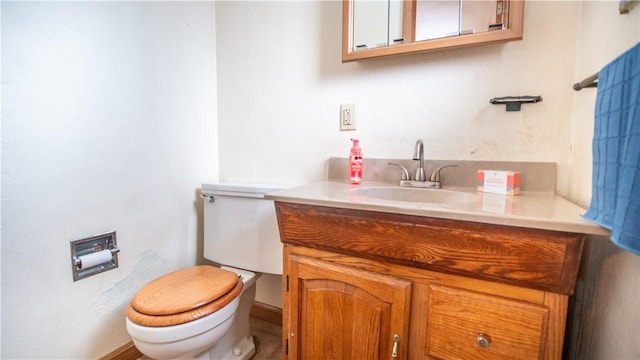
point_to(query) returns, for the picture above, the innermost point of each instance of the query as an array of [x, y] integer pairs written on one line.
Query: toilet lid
[[184, 290], [187, 316]]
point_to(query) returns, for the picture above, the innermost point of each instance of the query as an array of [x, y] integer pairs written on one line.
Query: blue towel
[[615, 201]]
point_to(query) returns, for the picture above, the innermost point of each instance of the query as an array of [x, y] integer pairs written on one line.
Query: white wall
[[604, 34], [606, 320], [108, 123], [280, 66]]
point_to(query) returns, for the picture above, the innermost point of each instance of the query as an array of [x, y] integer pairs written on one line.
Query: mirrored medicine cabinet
[[376, 28]]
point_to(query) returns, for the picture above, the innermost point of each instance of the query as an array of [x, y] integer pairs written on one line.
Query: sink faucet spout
[[418, 154]]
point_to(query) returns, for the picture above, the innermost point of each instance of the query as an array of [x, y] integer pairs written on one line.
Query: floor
[[268, 339]]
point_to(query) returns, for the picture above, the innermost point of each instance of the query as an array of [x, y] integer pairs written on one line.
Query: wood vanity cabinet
[[368, 285]]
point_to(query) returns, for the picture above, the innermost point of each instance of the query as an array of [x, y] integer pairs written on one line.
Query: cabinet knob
[[483, 340]]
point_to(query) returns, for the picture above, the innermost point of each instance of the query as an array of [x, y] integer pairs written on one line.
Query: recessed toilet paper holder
[[93, 255]]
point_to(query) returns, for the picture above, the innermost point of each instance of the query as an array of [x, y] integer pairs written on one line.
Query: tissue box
[[499, 182]]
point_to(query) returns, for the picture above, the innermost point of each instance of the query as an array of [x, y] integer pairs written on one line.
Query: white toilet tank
[[240, 227]]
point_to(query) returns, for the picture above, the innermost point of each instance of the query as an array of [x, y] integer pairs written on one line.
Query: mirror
[[376, 23], [375, 28]]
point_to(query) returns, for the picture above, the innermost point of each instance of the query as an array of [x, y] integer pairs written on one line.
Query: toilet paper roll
[[93, 259]]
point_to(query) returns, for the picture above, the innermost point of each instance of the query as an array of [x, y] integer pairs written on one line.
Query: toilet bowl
[[191, 313], [202, 312]]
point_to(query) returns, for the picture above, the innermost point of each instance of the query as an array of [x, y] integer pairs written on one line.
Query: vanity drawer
[[537, 259], [464, 324]]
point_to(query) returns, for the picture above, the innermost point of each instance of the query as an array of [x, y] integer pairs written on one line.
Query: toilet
[[202, 312]]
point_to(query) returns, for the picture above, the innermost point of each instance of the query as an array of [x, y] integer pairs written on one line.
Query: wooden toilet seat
[[183, 296]]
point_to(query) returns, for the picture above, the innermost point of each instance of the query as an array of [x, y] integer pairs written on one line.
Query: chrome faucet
[[420, 179], [418, 154]]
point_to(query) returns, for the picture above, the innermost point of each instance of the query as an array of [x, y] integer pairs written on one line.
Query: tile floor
[[267, 337]]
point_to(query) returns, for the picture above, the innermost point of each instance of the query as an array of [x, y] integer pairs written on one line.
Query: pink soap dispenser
[[355, 163]]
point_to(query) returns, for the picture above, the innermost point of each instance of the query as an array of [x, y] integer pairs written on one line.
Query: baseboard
[[127, 351], [266, 312]]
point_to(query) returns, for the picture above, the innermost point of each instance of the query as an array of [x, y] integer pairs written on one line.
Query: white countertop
[[539, 210]]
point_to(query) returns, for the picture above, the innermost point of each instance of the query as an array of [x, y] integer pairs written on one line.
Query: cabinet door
[[338, 312]]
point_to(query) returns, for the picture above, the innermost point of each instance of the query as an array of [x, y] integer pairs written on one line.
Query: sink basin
[[437, 196]]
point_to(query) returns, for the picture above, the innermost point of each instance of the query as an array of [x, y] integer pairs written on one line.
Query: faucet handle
[[405, 173], [435, 175]]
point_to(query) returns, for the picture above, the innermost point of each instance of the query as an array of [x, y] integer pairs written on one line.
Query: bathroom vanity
[[373, 277]]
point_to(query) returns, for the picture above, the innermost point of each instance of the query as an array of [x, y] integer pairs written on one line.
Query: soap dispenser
[[355, 163]]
